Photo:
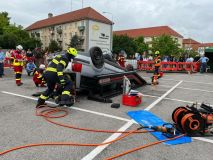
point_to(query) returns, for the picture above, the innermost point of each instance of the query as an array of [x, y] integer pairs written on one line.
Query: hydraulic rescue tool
[[193, 121], [167, 129]]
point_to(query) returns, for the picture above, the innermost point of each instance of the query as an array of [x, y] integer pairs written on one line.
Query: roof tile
[[82, 14], [149, 32]]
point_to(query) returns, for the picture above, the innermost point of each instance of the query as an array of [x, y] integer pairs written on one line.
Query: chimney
[[50, 15]]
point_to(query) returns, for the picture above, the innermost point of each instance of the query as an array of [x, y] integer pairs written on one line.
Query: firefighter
[[18, 63], [38, 78], [157, 64], [121, 60], [54, 75]]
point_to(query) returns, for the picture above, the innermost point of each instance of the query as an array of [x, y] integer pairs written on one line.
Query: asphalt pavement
[[20, 126]]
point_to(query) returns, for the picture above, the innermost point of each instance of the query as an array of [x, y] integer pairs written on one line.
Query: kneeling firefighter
[[54, 75]]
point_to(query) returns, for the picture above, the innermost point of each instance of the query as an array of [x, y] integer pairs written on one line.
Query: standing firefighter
[[18, 63], [54, 75], [157, 62]]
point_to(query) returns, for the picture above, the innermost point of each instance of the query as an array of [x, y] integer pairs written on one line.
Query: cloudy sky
[[191, 18]]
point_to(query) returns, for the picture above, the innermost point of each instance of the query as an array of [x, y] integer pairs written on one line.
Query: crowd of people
[[170, 58], [167, 58]]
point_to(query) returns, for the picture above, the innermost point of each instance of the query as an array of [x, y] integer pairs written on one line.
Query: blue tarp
[[146, 118]]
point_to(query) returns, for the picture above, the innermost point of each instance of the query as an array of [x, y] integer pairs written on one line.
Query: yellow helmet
[[72, 51], [157, 52]]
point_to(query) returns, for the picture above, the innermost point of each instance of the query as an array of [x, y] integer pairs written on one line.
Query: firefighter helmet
[[19, 47], [157, 52], [42, 66], [72, 51]]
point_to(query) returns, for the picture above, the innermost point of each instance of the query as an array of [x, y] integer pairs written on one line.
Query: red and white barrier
[[169, 66]]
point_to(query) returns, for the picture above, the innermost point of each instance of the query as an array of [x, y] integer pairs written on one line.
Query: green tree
[[4, 21], [75, 42], [53, 46], [166, 45], [123, 42], [12, 35], [141, 45], [8, 40]]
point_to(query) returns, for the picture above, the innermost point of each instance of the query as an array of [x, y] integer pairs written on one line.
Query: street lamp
[[111, 15]]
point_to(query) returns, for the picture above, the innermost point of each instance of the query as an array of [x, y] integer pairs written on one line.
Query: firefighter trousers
[[18, 73], [51, 79]]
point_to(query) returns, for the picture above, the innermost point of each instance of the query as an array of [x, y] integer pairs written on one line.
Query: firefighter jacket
[[58, 64], [38, 77], [17, 58], [157, 61]]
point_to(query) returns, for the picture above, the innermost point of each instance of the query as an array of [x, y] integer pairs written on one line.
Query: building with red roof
[[86, 23], [151, 32], [191, 44]]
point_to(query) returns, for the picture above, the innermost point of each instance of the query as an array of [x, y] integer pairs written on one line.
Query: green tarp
[[209, 50]]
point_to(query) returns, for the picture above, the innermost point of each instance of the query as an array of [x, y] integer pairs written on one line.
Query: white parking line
[[75, 108], [193, 89], [99, 149], [203, 139], [162, 97]]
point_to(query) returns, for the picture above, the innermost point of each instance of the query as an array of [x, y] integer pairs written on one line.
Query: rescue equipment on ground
[[115, 105], [194, 121], [164, 130], [130, 97]]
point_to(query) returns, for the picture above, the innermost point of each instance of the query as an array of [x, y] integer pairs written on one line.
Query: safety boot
[[19, 84], [57, 99], [40, 103], [68, 101]]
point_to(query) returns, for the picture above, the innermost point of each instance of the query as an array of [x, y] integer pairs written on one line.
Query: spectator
[[150, 58], [8, 56], [46, 58], [11, 59], [2, 57], [145, 59], [30, 68], [165, 59], [203, 61], [29, 55], [188, 59], [141, 57], [137, 56], [191, 59], [181, 59], [171, 58]]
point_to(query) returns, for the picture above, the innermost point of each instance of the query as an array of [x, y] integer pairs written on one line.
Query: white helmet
[[19, 47], [42, 66]]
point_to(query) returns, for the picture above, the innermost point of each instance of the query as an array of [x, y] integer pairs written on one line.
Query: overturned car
[[100, 75]]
